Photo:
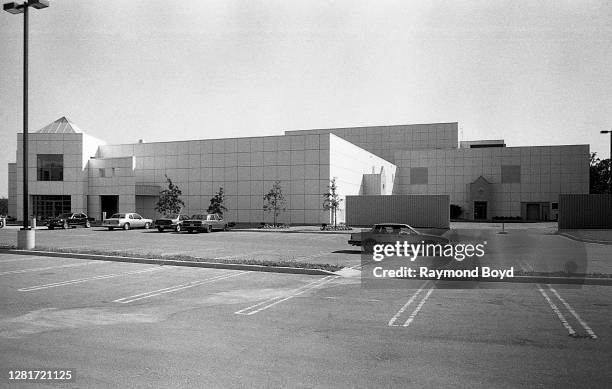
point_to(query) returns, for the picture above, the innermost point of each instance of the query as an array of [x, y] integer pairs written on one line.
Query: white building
[[71, 171]]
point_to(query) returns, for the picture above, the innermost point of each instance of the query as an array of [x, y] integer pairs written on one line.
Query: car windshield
[[211, 217], [65, 215], [197, 217], [173, 216], [118, 216]]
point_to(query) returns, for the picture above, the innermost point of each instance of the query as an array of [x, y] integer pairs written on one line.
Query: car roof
[[391, 224]]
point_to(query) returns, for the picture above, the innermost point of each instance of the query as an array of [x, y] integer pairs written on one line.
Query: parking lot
[[138, 325]]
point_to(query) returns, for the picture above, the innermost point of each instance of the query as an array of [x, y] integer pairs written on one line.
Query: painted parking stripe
[[403, 308], [556, 310], [176, 288], [418, 308], [80, 280], [34, 269], [574, 313], [253, 309]]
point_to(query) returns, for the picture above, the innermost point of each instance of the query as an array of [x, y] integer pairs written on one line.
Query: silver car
[[127, 221]]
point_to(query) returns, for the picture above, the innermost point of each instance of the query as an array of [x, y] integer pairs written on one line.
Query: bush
[[455, 211], [507, 218]]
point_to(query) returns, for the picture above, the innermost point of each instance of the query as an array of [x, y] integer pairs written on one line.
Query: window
[[418, 175], [108, 172], [511, 174], [555, 206], [50, 206], [50, 167]]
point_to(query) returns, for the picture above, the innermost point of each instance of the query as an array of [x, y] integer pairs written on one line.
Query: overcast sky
[[530, 72]]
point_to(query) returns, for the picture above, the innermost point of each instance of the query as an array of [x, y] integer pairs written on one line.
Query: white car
[[127, 221]]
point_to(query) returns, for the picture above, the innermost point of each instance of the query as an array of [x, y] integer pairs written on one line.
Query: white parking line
[[418, 308], [44, 268], [403, 308], [253, 309], [170, 289], [574, 313], [77, 281], [556, 310]]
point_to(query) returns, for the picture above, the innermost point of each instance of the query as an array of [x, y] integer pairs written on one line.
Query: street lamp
[[610, 160], [25, 237]]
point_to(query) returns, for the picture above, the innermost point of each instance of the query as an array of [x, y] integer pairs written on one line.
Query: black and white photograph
[[306, 194]]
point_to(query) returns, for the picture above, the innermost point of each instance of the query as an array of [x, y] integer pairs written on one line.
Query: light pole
[[610, 160], [25, 237]]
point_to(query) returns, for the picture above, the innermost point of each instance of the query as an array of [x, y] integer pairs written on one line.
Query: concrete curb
[[171, 262], [586, 240]]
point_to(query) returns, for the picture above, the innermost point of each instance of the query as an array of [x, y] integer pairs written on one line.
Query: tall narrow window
[[50, 167]]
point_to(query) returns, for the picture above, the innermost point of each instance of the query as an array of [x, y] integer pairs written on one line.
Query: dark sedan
[[391, 233], [69, 220]]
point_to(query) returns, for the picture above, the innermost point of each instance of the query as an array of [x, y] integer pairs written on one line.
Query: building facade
[[72, 171]]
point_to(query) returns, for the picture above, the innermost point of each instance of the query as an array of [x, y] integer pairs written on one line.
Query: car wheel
[[111, 228], [160, 229], [368, 245], [226, 228], [87, 224], [147, 225], [190, 231], [126, 226], [208, 229], [177, 228], [65, 226]]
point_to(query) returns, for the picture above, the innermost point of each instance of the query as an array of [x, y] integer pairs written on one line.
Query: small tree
[[3, 206], [331, 200], [274, 200], [170, 199], [599, 175], [217, 203]]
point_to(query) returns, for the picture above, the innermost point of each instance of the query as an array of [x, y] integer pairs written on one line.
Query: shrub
[[455, 211]]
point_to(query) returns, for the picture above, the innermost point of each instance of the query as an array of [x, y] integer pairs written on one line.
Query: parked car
[[205, 223], [69, 220], [391, 233], [2, 221], [127, 221], [171, 222]]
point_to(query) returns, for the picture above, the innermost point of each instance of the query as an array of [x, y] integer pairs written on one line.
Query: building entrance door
[[109, 204], [480, 210], [533, 211]]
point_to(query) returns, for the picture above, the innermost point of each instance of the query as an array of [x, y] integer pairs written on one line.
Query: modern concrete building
[[71, 171]]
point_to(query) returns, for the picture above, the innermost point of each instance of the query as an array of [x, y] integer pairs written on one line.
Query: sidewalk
[[589, 236]]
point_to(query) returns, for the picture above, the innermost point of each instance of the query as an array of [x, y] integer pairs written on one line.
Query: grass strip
[[182, 257]]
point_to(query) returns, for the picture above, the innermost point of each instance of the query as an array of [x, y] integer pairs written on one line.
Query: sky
[[530, 72]]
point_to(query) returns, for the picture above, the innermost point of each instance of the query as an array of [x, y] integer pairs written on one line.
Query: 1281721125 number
[[40, 375]]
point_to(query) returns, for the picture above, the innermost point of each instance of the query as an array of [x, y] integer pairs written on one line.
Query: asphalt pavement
[[138, 325]]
